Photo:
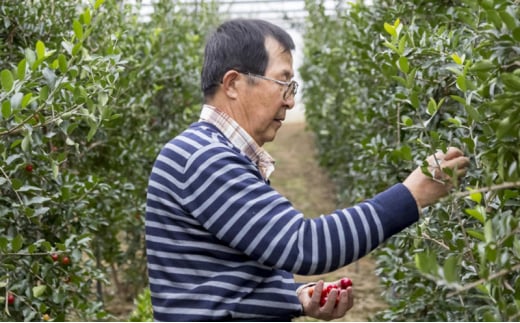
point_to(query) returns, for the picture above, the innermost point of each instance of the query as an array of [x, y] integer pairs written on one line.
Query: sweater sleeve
[[224, 192]]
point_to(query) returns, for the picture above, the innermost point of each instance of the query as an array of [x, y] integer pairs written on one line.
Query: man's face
[[263, 102]]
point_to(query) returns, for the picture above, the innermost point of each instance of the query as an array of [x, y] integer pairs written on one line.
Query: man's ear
[[230, 83]]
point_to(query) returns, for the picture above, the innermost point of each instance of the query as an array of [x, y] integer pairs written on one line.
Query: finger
[[318, 288], [458, 163], [343, 303], [350, 297], [329, 305], [453, 152]]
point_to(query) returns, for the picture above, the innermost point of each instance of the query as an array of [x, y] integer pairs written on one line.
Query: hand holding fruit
[[327, 301]]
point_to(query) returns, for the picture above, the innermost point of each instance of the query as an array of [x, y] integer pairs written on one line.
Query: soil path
[[299, 178]]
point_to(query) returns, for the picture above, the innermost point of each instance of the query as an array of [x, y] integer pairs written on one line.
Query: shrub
[[89, 92], [388, 84]]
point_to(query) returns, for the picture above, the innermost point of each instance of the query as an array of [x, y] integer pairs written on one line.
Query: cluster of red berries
[[65, 260], [344, 283]]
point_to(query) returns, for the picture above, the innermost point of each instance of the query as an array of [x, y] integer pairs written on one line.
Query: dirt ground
[[299, 178]]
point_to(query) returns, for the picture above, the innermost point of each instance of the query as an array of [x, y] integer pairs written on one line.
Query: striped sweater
[[223, 245]]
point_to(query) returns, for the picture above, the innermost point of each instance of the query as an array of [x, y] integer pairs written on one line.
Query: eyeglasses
[[290, 91]]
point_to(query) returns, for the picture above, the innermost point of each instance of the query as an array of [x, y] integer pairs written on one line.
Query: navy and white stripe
[[222, 244]]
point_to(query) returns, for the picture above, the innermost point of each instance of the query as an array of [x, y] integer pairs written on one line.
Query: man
[[221, 243]]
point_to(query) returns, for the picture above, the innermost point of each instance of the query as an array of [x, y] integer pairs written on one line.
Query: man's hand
[[428, 190], [338, 302]]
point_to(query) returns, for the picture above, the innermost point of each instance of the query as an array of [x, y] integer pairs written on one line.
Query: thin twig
[[491, 188], [11, 183], [440, 243], [483, 280]]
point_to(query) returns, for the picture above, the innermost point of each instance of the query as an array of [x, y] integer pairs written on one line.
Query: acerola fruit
[[345, 282], [29, 168], [323, 300], [10, 298], [46, 317], [65, 261], [54, 256]]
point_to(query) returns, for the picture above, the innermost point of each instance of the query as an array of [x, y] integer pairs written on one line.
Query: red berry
[[65, 261], [345, 282], [29, 168], [54, 256], [324, 293], [10, 298], [323, 300]]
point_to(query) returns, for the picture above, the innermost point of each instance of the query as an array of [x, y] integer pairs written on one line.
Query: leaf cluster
[[387, 85]]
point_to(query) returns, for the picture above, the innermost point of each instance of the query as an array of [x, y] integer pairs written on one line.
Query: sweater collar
[[239, 138]]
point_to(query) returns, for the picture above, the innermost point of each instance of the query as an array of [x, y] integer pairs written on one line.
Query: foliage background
[[89, 93], [389, 84]]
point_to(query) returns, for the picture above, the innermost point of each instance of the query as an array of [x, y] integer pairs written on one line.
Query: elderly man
[[222, 244]]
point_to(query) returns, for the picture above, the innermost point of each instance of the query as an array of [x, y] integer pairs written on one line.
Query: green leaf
[[516, 34], [478, 213], [488, 231], [390, 29], [391, 46], [21, 68], [457, 59], [98, 3], [86, 16], [476, 197], [456, 121], [476, 234], [39, 290], [92, 131], [461, 83], [44, 93], [402, 45], [6, 80], [6, 109], [511, 81], [482, 66], [62, 62], [40, 50], [403, 64], [55, 170], [507, 19], [37, 200], [432, 106], [26, 142], [407, 121], [26, 100], [487, 4], [494, 18], [450, 269], [78, 29], [17, 243], [472, 112], [425, 261]]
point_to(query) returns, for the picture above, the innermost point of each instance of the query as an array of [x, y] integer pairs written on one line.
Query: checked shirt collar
[[239, 138]]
